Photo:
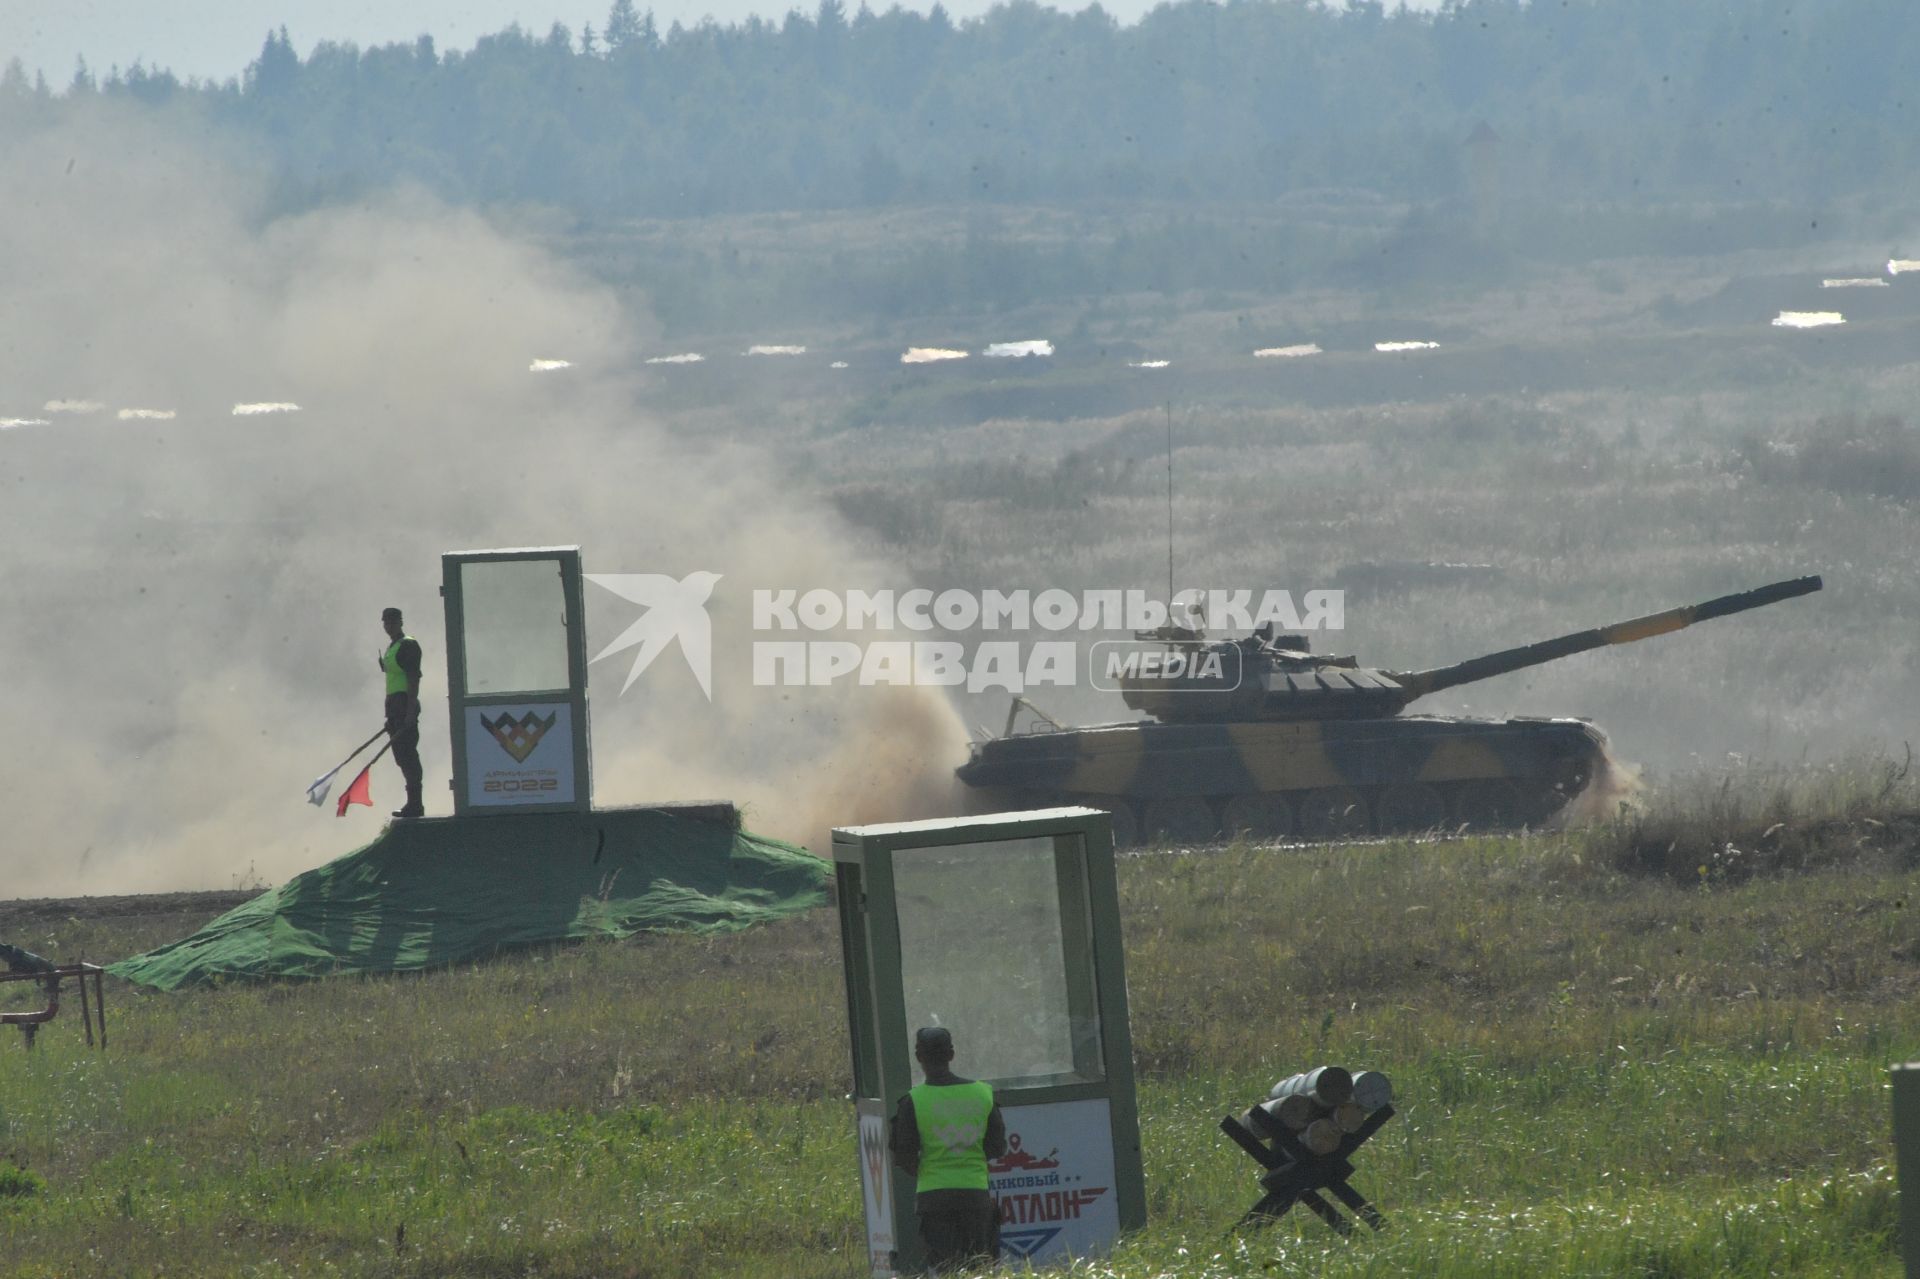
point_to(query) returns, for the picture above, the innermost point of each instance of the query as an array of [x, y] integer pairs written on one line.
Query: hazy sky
[[217, 38]]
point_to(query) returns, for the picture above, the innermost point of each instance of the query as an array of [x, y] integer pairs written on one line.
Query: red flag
[[361, 792]]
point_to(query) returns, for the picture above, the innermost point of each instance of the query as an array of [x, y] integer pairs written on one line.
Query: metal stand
[[91, 1013], [1295, 1174]]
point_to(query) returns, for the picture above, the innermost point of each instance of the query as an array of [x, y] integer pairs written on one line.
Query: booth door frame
[[876, 1013], [574, 696]]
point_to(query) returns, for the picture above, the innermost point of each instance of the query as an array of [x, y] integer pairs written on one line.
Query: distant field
[[1609, 1061], [1586, 512], [1610, 436]]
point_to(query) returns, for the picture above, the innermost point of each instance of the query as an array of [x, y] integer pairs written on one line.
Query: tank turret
[[1261, 678]]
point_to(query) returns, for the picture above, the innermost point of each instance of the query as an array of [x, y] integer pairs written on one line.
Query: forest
[[1596, 101]]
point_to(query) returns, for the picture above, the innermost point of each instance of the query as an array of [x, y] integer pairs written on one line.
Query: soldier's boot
[[413, 807]]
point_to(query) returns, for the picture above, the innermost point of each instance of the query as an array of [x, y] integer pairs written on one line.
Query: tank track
[[1335, 812]]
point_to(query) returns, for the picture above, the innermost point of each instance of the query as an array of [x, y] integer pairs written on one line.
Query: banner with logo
[[520, 753], [1055, 1183], [876, 1186]]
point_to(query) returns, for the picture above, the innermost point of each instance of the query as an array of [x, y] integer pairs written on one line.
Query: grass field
[[1608, 1062]]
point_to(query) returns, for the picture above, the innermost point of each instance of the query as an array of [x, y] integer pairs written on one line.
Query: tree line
[[1246, 100]]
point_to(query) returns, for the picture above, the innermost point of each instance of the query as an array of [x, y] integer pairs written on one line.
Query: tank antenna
[[1170, 512]]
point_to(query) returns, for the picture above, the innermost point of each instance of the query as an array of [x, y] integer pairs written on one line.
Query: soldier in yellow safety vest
[[400, 663], [944, 1131]]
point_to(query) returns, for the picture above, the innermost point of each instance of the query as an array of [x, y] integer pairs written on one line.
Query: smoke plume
[[195, 599]]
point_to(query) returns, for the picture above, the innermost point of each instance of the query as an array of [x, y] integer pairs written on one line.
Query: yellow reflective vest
[[952, 1119], [390, 663]]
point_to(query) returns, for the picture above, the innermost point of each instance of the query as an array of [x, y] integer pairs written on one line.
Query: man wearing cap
[[944, 1131], [400, 663]]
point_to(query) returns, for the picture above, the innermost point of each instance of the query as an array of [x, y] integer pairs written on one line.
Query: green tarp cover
[[440, 891]]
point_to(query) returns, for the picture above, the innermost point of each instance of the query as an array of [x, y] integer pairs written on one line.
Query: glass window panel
[[515, 614], [995, 946]]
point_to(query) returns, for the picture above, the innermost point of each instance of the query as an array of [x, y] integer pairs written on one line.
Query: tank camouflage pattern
[[1266, 739]]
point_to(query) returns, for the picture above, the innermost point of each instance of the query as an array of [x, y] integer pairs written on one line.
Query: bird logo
[[676, 609]]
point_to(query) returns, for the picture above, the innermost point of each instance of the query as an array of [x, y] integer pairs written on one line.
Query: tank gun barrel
[[1419, 683]]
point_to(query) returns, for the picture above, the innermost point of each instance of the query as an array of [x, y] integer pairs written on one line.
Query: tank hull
[[1313, 779]]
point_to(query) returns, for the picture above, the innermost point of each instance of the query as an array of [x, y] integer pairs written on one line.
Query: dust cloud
[[1616, 787], [194, 600]]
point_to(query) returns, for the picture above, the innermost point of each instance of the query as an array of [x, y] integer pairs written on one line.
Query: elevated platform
[[439, 891]]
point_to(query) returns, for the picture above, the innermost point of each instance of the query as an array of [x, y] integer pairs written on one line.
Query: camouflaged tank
[[1258, 736]]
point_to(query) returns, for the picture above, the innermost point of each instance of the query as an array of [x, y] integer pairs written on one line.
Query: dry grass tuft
[[1752, 821]]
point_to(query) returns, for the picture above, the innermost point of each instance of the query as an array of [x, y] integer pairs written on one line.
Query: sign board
[[517, 680], [520, 753], [1055, 1185], [876, 1186]]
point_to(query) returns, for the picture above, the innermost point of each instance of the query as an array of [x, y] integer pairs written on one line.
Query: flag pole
[[317, 790], [360, 792]]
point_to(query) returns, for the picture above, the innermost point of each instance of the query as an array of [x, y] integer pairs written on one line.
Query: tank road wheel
[[1126, 828], [1258, 817], [1185, 819], [1332, 812], [1541, 802], [1407, 807], [1492, 803]]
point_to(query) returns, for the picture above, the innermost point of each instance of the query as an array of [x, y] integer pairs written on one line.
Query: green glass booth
[[517, 680], [1005, 929]]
